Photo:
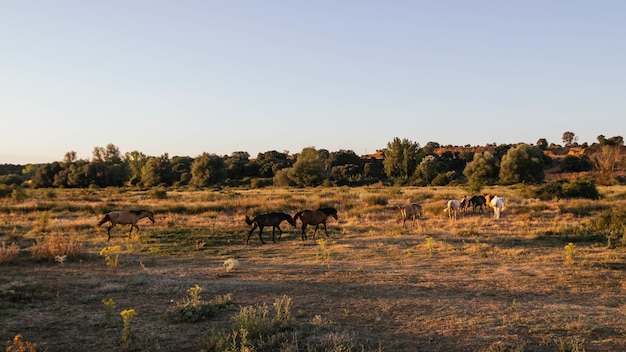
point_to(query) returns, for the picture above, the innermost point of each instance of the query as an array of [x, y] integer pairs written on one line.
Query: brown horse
[[125, 218], [270, 219], [315, 217]]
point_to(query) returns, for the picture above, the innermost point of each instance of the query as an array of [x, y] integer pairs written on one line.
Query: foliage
[[572, 163], [612, 224], [207, 170], [109, 310], [581, 188], [401, 158], [570, 250], [56, 244], [157, 171], [522, 164], [194, 308], [127, 334], [18, 344], [9, 254], [309, 169], [607, 162], [111, 256], [481, 171]]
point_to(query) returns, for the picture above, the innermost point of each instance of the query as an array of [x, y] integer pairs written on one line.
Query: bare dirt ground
[[473, 285]]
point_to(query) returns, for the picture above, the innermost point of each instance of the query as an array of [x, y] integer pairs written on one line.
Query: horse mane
[[298, 215], [328, 210], [138, 212]]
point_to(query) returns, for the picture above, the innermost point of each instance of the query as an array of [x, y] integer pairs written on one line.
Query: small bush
[[55, 245], [158, 193], [581, 188], [9, 254], [612, 224], [194, 308], [18, 344], [376, 199]]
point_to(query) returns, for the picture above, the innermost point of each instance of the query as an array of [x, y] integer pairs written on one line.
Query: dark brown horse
[[270, 219], [477, 202], [315, 217], [125, 218]]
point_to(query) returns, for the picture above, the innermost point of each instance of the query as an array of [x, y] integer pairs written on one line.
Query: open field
[[472, 285]]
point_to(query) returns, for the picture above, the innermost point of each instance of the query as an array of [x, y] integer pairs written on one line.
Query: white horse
[[407, 211], [453, 208], [496, 203]]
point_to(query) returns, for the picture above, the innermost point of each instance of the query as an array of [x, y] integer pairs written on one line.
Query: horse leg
[[325, 230], [273, 230], [260, 233], [250, 233], [280, 232], [315, 232], [303, 231], [109, 232]]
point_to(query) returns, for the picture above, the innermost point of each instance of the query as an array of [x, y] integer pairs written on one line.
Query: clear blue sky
[[187, 77]]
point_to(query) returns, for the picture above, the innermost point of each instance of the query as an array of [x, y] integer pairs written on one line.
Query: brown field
[[472, 285]]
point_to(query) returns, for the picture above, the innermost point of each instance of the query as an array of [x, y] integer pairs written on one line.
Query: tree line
[[402, 162]]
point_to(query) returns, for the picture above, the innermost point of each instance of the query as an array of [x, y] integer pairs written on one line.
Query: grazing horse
[[125, 218], [464, 204], [315, 217], [453, 208], [410, 210], [477, 202], [270, 219], [496, 203]]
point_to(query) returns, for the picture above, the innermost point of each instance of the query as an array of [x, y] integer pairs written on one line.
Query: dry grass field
[[477, 284]]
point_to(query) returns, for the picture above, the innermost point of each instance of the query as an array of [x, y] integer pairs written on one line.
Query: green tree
[[401, 158], [522, 164], [481, 171], [207, 170], [271, 162], [570, 139], [157, 171], [309, 168], [427, 170], [135, 160], [181, 169], [542, 143]]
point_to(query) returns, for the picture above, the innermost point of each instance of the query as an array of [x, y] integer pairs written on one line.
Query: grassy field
[[538, 279]]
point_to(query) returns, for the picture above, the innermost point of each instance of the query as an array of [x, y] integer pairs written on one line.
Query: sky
[[192, 77]]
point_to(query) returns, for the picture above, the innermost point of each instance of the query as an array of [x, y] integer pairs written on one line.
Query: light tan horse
[[498, 204], [408, 211], [125, 218], [453, 208]]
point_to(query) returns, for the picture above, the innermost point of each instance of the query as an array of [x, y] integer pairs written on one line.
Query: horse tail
[[103, 220], [248, 221]]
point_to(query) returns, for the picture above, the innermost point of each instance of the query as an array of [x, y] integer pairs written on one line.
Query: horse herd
[[455, 206], [315, 217], [307, 217]]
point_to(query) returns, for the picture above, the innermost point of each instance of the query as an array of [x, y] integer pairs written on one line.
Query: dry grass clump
[[57, 245], [8, 254]]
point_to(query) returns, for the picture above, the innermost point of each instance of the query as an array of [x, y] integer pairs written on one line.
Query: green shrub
[[612, 224], [581, 188]]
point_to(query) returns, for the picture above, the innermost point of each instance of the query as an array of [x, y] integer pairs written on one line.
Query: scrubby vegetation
[[548, 274]]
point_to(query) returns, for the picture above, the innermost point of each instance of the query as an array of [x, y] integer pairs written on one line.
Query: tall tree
[[401, 158], [570, 139], [522, 164], [208, 169], [481, 171], [157, 171], [309, 168]]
